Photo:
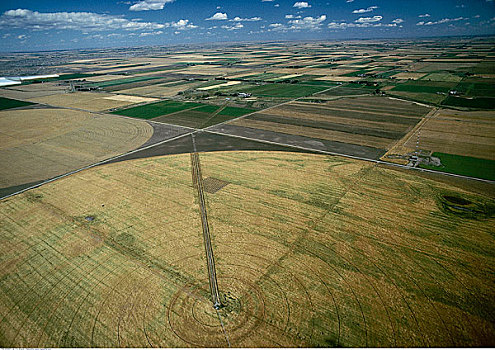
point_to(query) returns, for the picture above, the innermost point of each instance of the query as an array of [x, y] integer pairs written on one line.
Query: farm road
[[210, 260]]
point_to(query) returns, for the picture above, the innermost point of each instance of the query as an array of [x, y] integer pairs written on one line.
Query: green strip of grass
[[6, 103], [156, 109], [462, 165]]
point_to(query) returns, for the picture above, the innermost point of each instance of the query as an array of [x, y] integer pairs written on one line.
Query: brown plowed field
[[310, 251]]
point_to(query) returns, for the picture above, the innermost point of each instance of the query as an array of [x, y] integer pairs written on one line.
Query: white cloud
[[236, 26], [345, 25], [83, 21], [398, 21], [291, 16], [146, 5], [277, 5], [442, 21], [218, 16], [22, 37], [369, 19], [301, 5], [239, 19], [150, 33], [183, 24], [266, 0], [306, 23], [349, 0], [424, 16], [369, 9]]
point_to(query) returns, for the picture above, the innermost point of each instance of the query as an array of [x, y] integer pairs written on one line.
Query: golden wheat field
[[310, 250]]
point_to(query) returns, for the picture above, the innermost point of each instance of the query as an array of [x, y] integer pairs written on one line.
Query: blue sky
[[29, 25]]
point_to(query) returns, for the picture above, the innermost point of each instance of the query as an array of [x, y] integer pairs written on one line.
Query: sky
[[33, 25]]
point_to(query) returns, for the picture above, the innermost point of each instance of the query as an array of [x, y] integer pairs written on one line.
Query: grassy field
[[307, 257], [473, 102], [462, 165], [6, 103]]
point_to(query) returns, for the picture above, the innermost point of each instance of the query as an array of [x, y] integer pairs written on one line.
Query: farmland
[[317, 272], [336, 194]]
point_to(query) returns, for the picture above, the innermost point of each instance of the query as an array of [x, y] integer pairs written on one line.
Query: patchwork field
[[316, 254], [315, 243], [361, 126]]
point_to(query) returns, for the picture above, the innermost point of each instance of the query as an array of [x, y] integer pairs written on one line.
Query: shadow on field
[[205, 142]]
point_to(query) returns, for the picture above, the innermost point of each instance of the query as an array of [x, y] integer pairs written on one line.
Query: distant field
[[364, 127], [122, 81], [284, 90], [306, 257], [6, 103]]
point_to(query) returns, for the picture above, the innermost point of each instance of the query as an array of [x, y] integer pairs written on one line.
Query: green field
[[431, 89], [477, 87], [284, 90], [6, 103], [462, 165], [153, 110], [122, 81], [235, 111], [442, 76], [475, 102]]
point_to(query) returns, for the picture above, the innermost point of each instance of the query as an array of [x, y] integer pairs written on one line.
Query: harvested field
[[91, 101], [25, 92], [469, 134], [307, 257], [409, 75], [229, 83], [39, 144], [162, 90], [132, 99]]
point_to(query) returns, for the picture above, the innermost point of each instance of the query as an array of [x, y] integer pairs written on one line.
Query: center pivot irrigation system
[[198, 184]]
